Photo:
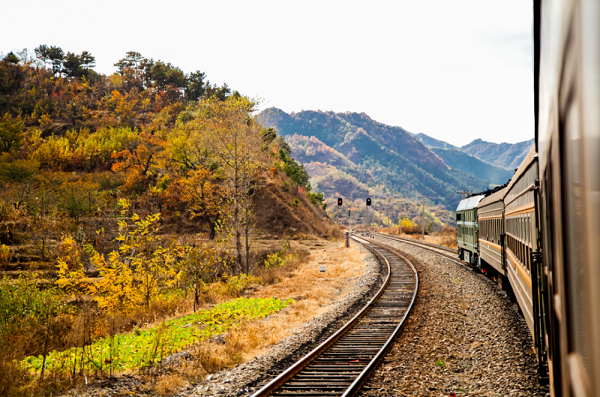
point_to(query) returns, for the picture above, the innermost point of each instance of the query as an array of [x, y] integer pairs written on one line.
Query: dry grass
[[169, 384], [445, 237], [312, 290]]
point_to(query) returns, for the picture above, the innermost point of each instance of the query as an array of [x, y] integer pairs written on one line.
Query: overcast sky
[[455, 70]]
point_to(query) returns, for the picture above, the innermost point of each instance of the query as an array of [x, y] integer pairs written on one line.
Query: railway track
[[341, 364], [443, 251]]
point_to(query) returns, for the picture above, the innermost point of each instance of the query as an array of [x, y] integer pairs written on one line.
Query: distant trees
[[196, 87], [148, 73], [11, 58], [78, 65], [69, 64]]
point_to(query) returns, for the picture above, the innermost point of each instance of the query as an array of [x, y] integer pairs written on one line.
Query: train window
[[521, 228], [496, 230], [528, 227]]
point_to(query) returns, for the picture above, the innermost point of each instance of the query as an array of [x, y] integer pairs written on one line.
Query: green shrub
[[316, 198], [18, 170], [11, 132]]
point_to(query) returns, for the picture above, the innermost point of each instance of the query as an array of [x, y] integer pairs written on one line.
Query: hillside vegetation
[[461, 161], [431, 142], [124, 200], [506, 155], [350, 153]]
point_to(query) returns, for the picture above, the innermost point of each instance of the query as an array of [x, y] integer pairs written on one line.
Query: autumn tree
[[198, 177], [11, 132], [236, 142], [204, 195], [195, 270], [140, 159]]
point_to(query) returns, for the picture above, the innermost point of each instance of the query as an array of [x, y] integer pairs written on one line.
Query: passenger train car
[[539, 236], [467, 230], [567, 77]]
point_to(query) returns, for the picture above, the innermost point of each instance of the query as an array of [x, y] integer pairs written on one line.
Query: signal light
[[340, 201], [368, 200]]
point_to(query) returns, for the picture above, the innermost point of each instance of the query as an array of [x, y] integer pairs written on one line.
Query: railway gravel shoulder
[[464, 337]]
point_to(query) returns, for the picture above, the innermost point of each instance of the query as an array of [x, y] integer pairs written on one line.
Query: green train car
[[467, 229]]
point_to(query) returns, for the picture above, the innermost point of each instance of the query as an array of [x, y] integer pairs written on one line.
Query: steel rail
[[375, 361], [428, 246], [326, 376], [413, 241]]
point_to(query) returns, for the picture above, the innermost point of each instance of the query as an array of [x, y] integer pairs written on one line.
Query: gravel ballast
[[464, 338]]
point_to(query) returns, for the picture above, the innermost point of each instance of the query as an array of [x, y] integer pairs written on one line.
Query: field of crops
[[144, 347]]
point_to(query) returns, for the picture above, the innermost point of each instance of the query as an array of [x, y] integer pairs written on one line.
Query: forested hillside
[[506, 155], [127, 199], [433, 143], [350, 154], [461, 161]]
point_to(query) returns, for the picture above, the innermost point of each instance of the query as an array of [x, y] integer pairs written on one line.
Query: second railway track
[[341, 364], [438, 249]]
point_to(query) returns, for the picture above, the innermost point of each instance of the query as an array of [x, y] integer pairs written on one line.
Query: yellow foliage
[[406, 223], [5, 254]]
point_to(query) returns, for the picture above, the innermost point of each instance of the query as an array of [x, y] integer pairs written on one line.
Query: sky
[[454, 70]]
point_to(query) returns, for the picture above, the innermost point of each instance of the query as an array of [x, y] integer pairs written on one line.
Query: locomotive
[[538, 235]]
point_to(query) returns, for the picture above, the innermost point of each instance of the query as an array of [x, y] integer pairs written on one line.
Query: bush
[[11, 132], [18, 170], [5, 254], [316, 198], [82, 150]]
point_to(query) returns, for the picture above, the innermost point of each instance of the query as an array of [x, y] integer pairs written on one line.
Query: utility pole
[[423, 221], [401, 216], [464, 192], [389, 216]]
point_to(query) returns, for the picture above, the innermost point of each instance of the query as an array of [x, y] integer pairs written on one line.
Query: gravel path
[[463, 337]]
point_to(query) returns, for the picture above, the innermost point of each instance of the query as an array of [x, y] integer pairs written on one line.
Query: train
[[538, 236]]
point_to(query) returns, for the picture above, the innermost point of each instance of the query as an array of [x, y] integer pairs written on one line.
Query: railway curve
[[438, 249], [341, 364]]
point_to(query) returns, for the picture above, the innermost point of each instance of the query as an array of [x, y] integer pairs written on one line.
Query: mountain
[[433, 143], [351, 154], [461, 161], [505, 155]]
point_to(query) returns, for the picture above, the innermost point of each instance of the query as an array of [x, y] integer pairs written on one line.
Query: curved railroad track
[[438, 249], [341, 364]]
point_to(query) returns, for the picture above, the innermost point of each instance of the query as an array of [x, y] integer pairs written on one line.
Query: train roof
[[469, 203], [498, 196], [530, 158]]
